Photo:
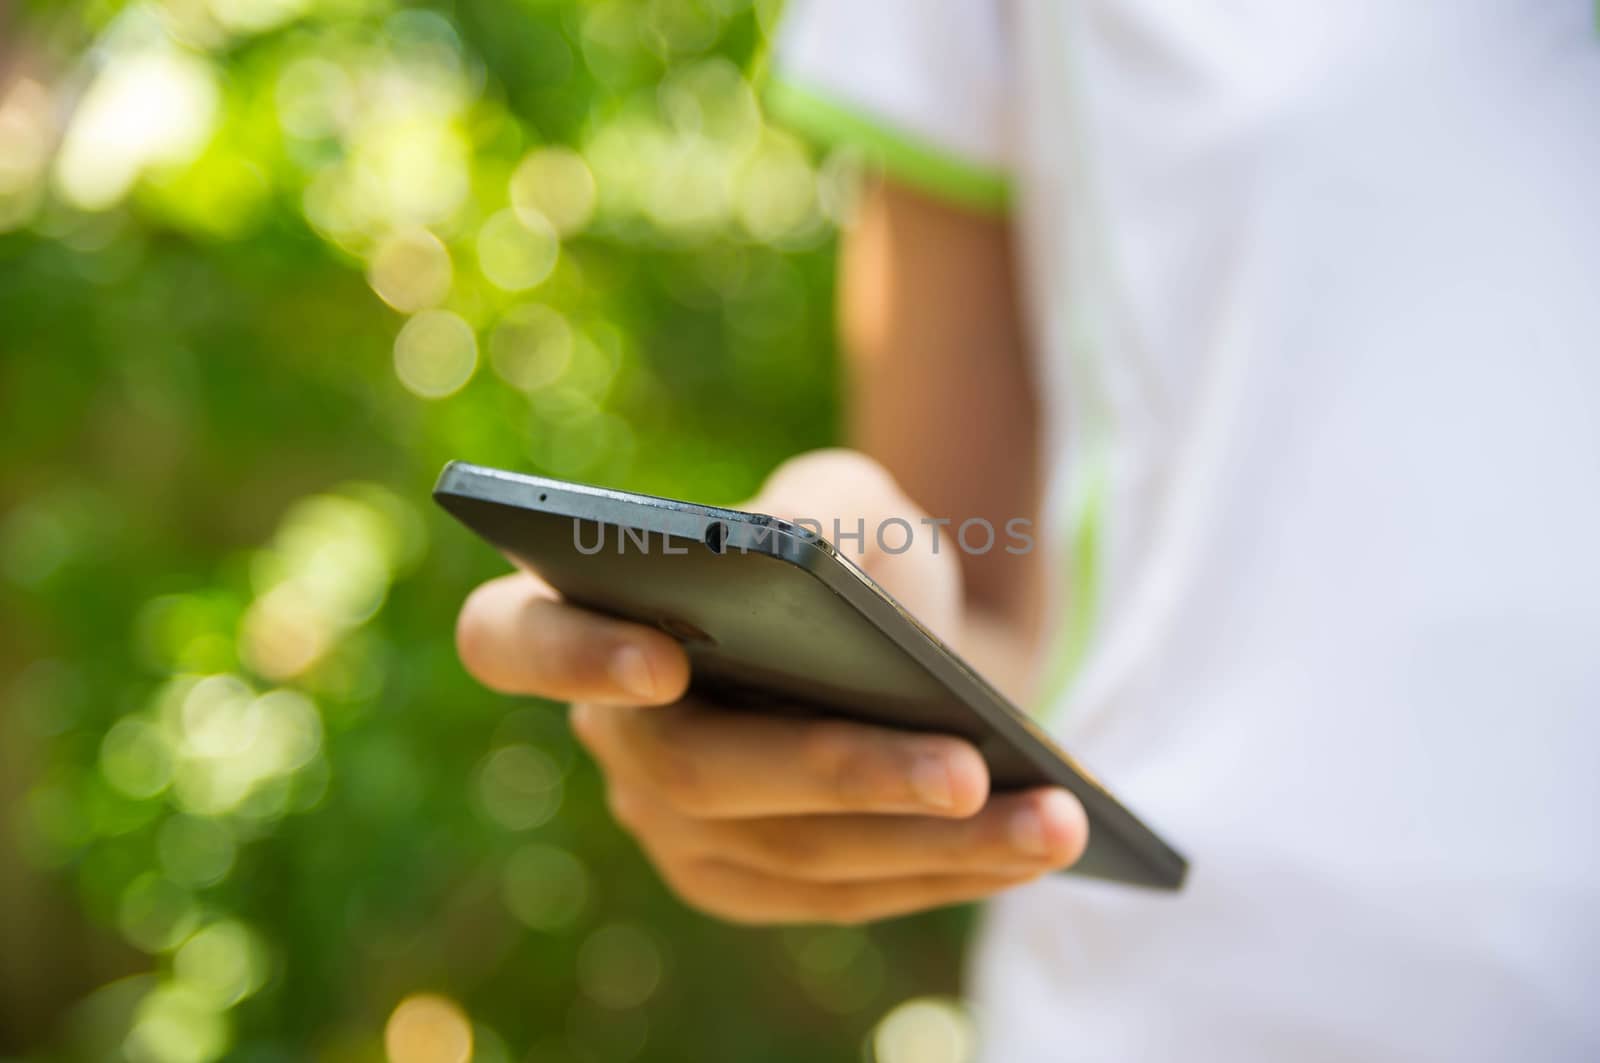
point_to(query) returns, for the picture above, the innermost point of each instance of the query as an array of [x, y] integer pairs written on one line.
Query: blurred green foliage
[[265, 265]]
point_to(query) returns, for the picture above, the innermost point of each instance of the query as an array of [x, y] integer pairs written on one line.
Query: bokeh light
[[222, 963], [777, 191], [156, 914], [519, 787], [619, 966], [256, 16], [531, 346], [545, 887], [410, 270], [840, 968], [231, 744], [135, 758], [427, 1028], [926, 1030], [176, 1024], [196, 851], [553, 185], [150, 104], [435, 354], [517, 249], [315, 98]]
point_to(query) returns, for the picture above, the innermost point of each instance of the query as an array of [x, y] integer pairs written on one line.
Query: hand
[[759, 818]]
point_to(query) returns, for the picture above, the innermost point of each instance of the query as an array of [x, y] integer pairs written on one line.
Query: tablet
[[774, 619]]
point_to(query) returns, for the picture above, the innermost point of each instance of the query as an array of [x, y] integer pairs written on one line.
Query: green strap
[[904, 156]]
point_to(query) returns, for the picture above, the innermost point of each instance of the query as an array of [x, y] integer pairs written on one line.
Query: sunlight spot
[[156, 914], [222, 963], [925, 1030], [619, 966], [195, 851], [315, 98], [517, 249], [435, 354], [545, 887], [155, 106], [174, 1024], [520, 787], [410, 270], [554, 184], [134, 758], [426, 1028], [777, 190], [257, 16], [531, 346]]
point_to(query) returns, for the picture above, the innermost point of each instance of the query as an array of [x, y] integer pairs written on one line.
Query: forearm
[[1005, 651], [940, 394]]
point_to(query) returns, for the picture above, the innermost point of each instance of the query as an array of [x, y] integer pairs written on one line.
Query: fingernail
[[631, 670], [1027, 832], [930, 780]]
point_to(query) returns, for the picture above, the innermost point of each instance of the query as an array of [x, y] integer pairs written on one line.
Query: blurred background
[[265, 265]]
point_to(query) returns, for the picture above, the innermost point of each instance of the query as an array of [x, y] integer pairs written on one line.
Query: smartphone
[[775, 619]]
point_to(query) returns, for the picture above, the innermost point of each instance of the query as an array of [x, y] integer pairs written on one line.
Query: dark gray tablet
[[775, 619]]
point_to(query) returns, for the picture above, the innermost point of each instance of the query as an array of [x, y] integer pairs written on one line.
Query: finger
[[717, 764], [1015, 834], [848, 498], [851, 482], [516, 637], [746, 896]]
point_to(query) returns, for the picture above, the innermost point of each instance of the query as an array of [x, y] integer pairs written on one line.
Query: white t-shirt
[[1316, 296]]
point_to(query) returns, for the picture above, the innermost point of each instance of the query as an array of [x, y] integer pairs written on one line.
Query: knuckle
[[789, 852], [671, 767], [834, 752], [825, 744], [675, 778]]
